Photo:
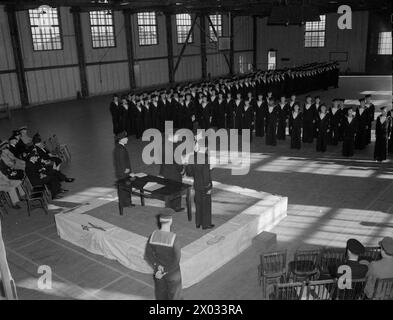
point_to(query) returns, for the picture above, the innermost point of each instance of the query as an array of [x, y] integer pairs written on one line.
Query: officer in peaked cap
[[123, 171], [163, 252], [359, 269]]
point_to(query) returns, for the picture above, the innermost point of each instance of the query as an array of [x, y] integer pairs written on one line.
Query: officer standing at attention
[[199, 169], [123, 171], [163, 253]]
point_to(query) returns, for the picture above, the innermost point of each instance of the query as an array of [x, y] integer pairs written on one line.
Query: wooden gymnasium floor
[[330, 200]]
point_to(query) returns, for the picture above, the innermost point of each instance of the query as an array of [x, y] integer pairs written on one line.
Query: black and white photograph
[[201, 150]]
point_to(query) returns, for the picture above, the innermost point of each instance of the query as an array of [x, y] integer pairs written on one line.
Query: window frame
[[60, 31], [211, 31], [380, 43], [313, 32], [114, 30], [156, 25], [183, 25]]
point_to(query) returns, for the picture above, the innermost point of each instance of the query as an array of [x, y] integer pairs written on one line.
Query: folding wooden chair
[[65, 153], [44, 189], [272, 269], [33, 196], [355, 293], [330, 259], [305, 265], [371, 254], [383, 289], [320, 290], [288, 291]]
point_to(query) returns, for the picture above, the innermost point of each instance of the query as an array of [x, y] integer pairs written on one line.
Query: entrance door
[[271, 59]]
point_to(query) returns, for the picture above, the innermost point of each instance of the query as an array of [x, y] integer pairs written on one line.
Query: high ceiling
[[249, 7]]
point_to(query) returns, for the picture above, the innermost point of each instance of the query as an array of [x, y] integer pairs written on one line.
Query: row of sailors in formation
[[151, 110], [268, 117]]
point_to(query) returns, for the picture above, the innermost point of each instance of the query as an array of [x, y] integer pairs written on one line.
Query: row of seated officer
[[22, 156], [361, 268]]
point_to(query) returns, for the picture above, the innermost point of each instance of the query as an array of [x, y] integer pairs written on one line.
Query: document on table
[[152, 186], [139, 175]]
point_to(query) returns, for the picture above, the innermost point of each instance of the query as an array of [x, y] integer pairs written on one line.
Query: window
[[216, 20], [147, 28], [315, 33], [102, 29], [385, 43], [183, 24], [45, 29]]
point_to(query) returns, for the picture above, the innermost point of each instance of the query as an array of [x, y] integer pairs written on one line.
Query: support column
[[254, 41], [231, 53], [169, 45], [17, 53], [130, 47], [202, 24], [80, 50]]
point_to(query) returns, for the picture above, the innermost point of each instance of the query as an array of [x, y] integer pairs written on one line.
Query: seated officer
[[9, 172], [354, 250], [163, 253], [381, 269], [351, 291], [39, 175]]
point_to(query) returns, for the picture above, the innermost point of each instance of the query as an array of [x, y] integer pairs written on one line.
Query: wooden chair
[[272, 269], [371, 254], [65, 153], [320, 290], [44, 189], [5, 111], [305, 265], [33, 196], [331, 258], [288, 291], [355, 293], [383, 289]]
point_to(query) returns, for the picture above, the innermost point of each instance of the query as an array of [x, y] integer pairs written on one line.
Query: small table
[[171, 189]]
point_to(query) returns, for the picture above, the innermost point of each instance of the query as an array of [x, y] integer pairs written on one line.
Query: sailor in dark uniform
[[172, 171], [335, 122], [163, 252], [371, 112], [202, 184], [349, 132], [363, 118], [114, 109], [383, 130], [123, 171]]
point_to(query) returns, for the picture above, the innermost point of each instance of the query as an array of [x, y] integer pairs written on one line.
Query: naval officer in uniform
[[163, 253], [199, 169], [172, 171], [123, 171]]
